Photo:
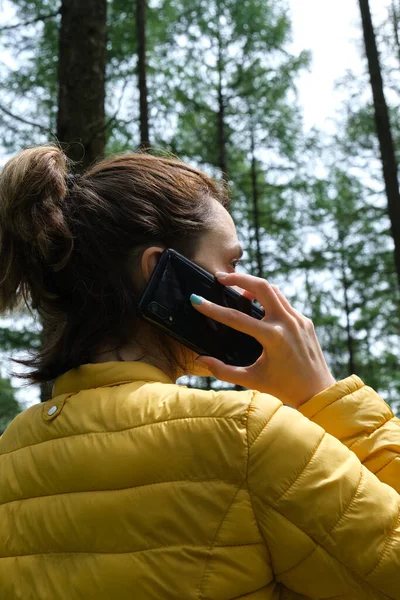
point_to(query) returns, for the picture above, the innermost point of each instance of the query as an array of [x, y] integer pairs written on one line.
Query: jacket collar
[[106, 374]]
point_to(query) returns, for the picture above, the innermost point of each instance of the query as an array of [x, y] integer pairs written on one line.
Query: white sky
[[331, 29]]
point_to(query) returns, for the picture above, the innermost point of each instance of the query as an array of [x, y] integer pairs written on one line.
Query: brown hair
[[68, 246]]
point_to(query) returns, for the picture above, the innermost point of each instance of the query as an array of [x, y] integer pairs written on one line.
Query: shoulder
[[179, 400], [142, 404]]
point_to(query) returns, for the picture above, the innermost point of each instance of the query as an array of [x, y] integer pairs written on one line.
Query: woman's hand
[[292, 366]]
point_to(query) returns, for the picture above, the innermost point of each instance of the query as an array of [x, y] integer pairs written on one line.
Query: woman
[[126, 485]]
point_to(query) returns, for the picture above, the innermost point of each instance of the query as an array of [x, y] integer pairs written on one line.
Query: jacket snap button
[[52, 410]]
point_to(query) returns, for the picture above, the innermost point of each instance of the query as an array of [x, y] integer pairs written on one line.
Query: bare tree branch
[[114, 117], [31, 21], [25, 121]]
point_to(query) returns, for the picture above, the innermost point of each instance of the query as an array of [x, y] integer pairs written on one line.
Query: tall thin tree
[[141, 11], [81, 80], [383, 128], [255, 202], [347, 310], [81, 88], [395, 15], [222, 103]]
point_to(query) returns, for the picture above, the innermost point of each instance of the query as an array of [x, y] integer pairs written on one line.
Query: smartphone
[[166, 304]]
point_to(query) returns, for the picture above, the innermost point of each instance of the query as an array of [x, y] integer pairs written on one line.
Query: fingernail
[[194, 299], [220, 274]]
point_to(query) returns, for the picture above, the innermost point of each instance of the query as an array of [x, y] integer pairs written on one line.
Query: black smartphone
[[166, 304]]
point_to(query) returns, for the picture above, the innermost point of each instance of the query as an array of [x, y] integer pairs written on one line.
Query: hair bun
[[32, 187]]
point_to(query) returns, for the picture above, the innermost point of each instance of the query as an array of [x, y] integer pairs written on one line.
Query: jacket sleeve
[[357, 416], [331, 527]]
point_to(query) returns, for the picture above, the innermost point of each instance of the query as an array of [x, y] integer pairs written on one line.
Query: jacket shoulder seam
[[247, 473], [213, 543], [240, 486], [265, 425]]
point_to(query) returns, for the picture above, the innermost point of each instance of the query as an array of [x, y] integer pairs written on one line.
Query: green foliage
[[9, 406], [218, 49], [24, 339], [29, 89], [351, 283], [229, 64]]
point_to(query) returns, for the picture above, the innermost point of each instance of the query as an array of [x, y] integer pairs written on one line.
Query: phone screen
[[166, 304]]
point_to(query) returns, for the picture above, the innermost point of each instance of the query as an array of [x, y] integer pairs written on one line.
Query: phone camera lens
[[154, 307], [160, 311]]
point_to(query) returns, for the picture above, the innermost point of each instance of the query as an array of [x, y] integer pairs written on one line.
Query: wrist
[[319, 387]]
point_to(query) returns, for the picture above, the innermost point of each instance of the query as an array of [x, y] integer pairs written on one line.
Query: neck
[[148, 351]]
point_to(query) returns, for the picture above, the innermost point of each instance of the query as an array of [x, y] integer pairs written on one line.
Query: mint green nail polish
[[194, 299]]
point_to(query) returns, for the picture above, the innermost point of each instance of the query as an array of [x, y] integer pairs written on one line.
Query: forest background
[[215, 83]]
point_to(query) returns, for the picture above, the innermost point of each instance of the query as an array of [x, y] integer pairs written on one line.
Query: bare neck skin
[[147, 352]]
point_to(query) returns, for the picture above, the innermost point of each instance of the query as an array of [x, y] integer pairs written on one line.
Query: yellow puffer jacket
[[128, 486]]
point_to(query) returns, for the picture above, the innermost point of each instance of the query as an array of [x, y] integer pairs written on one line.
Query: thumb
[[228, 373]]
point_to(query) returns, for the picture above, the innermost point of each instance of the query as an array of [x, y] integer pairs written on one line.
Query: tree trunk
[[81, 89], [389, 162], [256, 211], [141, 8], [221, 135], [221, 125], [346, 286], [81, 80], [396, 19]]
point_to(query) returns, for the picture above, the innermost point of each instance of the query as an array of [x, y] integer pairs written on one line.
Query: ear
[[150, 258]]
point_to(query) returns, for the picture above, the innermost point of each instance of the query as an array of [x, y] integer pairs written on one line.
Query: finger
[[285, 302], [244, 293], [227, 316], [248, 295], [260, 288], [235, 375]]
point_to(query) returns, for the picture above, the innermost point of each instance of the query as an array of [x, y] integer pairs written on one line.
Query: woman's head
[[76, 247]]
